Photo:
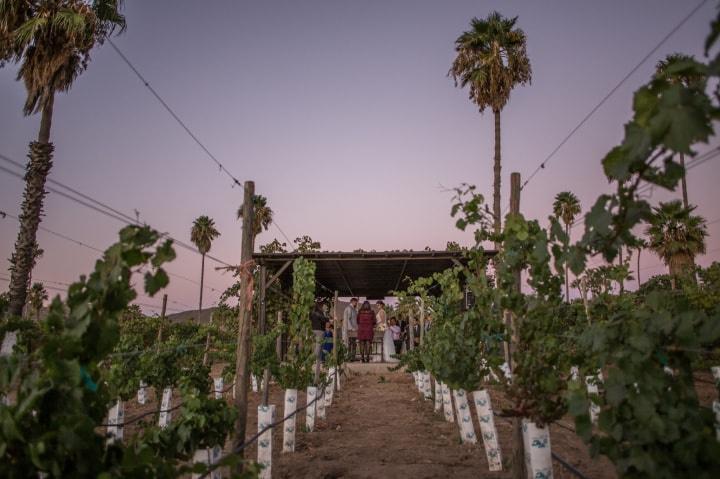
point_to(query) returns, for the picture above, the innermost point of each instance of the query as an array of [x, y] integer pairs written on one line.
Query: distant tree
[[51, 40], [305, 244], [677, 236], [566, 207], [492, 60], [274, 247], [36, 299], [262, 216], [453, 246], [672, 69], [202, 234]]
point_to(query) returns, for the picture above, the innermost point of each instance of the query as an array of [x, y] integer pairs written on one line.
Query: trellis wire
[[254, 438]]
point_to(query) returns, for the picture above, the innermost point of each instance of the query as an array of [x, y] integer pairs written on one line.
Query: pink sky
[[342, 114]]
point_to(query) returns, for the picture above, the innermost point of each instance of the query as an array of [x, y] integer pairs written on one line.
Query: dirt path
[[378, 427]]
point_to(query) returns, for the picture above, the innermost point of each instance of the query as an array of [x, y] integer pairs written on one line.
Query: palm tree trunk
[[496, 180], [37, 170], [567, 270], [202, 280], [683, 181]]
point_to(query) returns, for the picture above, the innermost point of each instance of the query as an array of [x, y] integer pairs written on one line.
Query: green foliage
[[274, 246], [305, 244], [296, 372], [63, 384]]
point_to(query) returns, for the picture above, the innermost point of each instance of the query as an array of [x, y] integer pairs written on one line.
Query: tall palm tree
[[676, 236], [202, 234], [263, 215], [36, 298], [491, 60], [566, 207], [686, 78], [51, 40]]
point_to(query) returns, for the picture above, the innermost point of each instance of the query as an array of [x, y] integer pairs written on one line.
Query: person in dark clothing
[[366, 330], [327, 346]]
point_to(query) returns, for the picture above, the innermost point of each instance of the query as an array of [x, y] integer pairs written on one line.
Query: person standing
[[327, 346], [317, 321], [350, 327], [396, 335], [381, 316], [365, 330]]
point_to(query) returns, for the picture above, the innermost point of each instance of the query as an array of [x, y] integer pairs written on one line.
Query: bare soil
[[379, 426]]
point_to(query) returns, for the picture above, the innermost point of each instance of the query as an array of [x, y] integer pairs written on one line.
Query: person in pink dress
[[366, 330]]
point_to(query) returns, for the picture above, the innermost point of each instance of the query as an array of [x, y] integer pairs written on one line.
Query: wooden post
[[519, 449], [278, 341], [242, 373], [422, 321], [335, 337], [162, 320], [262, 323], [411, 331]]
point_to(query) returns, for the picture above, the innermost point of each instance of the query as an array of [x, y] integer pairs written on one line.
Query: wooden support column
[[422, 321], [242, 373], [335, 329], [263, 329], [512, 325], [411, 331], [278, 341]]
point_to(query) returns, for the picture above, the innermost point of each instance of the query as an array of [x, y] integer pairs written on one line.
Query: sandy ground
[[379, 426]]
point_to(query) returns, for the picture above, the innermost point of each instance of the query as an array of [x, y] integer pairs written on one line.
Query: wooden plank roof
[[370, 274]]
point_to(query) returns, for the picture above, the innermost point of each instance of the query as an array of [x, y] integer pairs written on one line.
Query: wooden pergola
[[370, 274]]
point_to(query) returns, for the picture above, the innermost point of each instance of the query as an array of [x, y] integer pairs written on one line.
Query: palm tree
[[202, 234], [566, 207], [36, 298], [263, 216], [676, 236], [491, 60], [687, 78], [51, 40]]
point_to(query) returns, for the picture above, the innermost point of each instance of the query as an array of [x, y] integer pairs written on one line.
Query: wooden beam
[[342, 273], [277, 275]]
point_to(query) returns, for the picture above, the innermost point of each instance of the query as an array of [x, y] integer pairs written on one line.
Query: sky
[[343, 115]]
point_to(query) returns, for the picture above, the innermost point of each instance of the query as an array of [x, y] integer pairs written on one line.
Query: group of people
[[359, 326]]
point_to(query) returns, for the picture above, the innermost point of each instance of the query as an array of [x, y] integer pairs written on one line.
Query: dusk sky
[[343, 115]]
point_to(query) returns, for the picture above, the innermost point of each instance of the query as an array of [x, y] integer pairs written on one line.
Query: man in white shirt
[[349, 327]]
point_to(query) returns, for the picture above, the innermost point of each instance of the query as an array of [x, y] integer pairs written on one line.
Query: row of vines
[[624, 366], [65, 384]]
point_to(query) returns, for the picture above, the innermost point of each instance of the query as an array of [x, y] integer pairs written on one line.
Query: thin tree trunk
[[683, 181], [202, 281], [37, 170], [567, 270], [638, 267], [622, 281], [496, 180]]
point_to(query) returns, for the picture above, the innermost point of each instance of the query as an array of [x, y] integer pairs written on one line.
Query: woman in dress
[[366, 330], [388, 344]]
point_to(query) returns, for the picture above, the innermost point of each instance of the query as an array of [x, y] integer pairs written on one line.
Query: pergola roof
[[373, 275]]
